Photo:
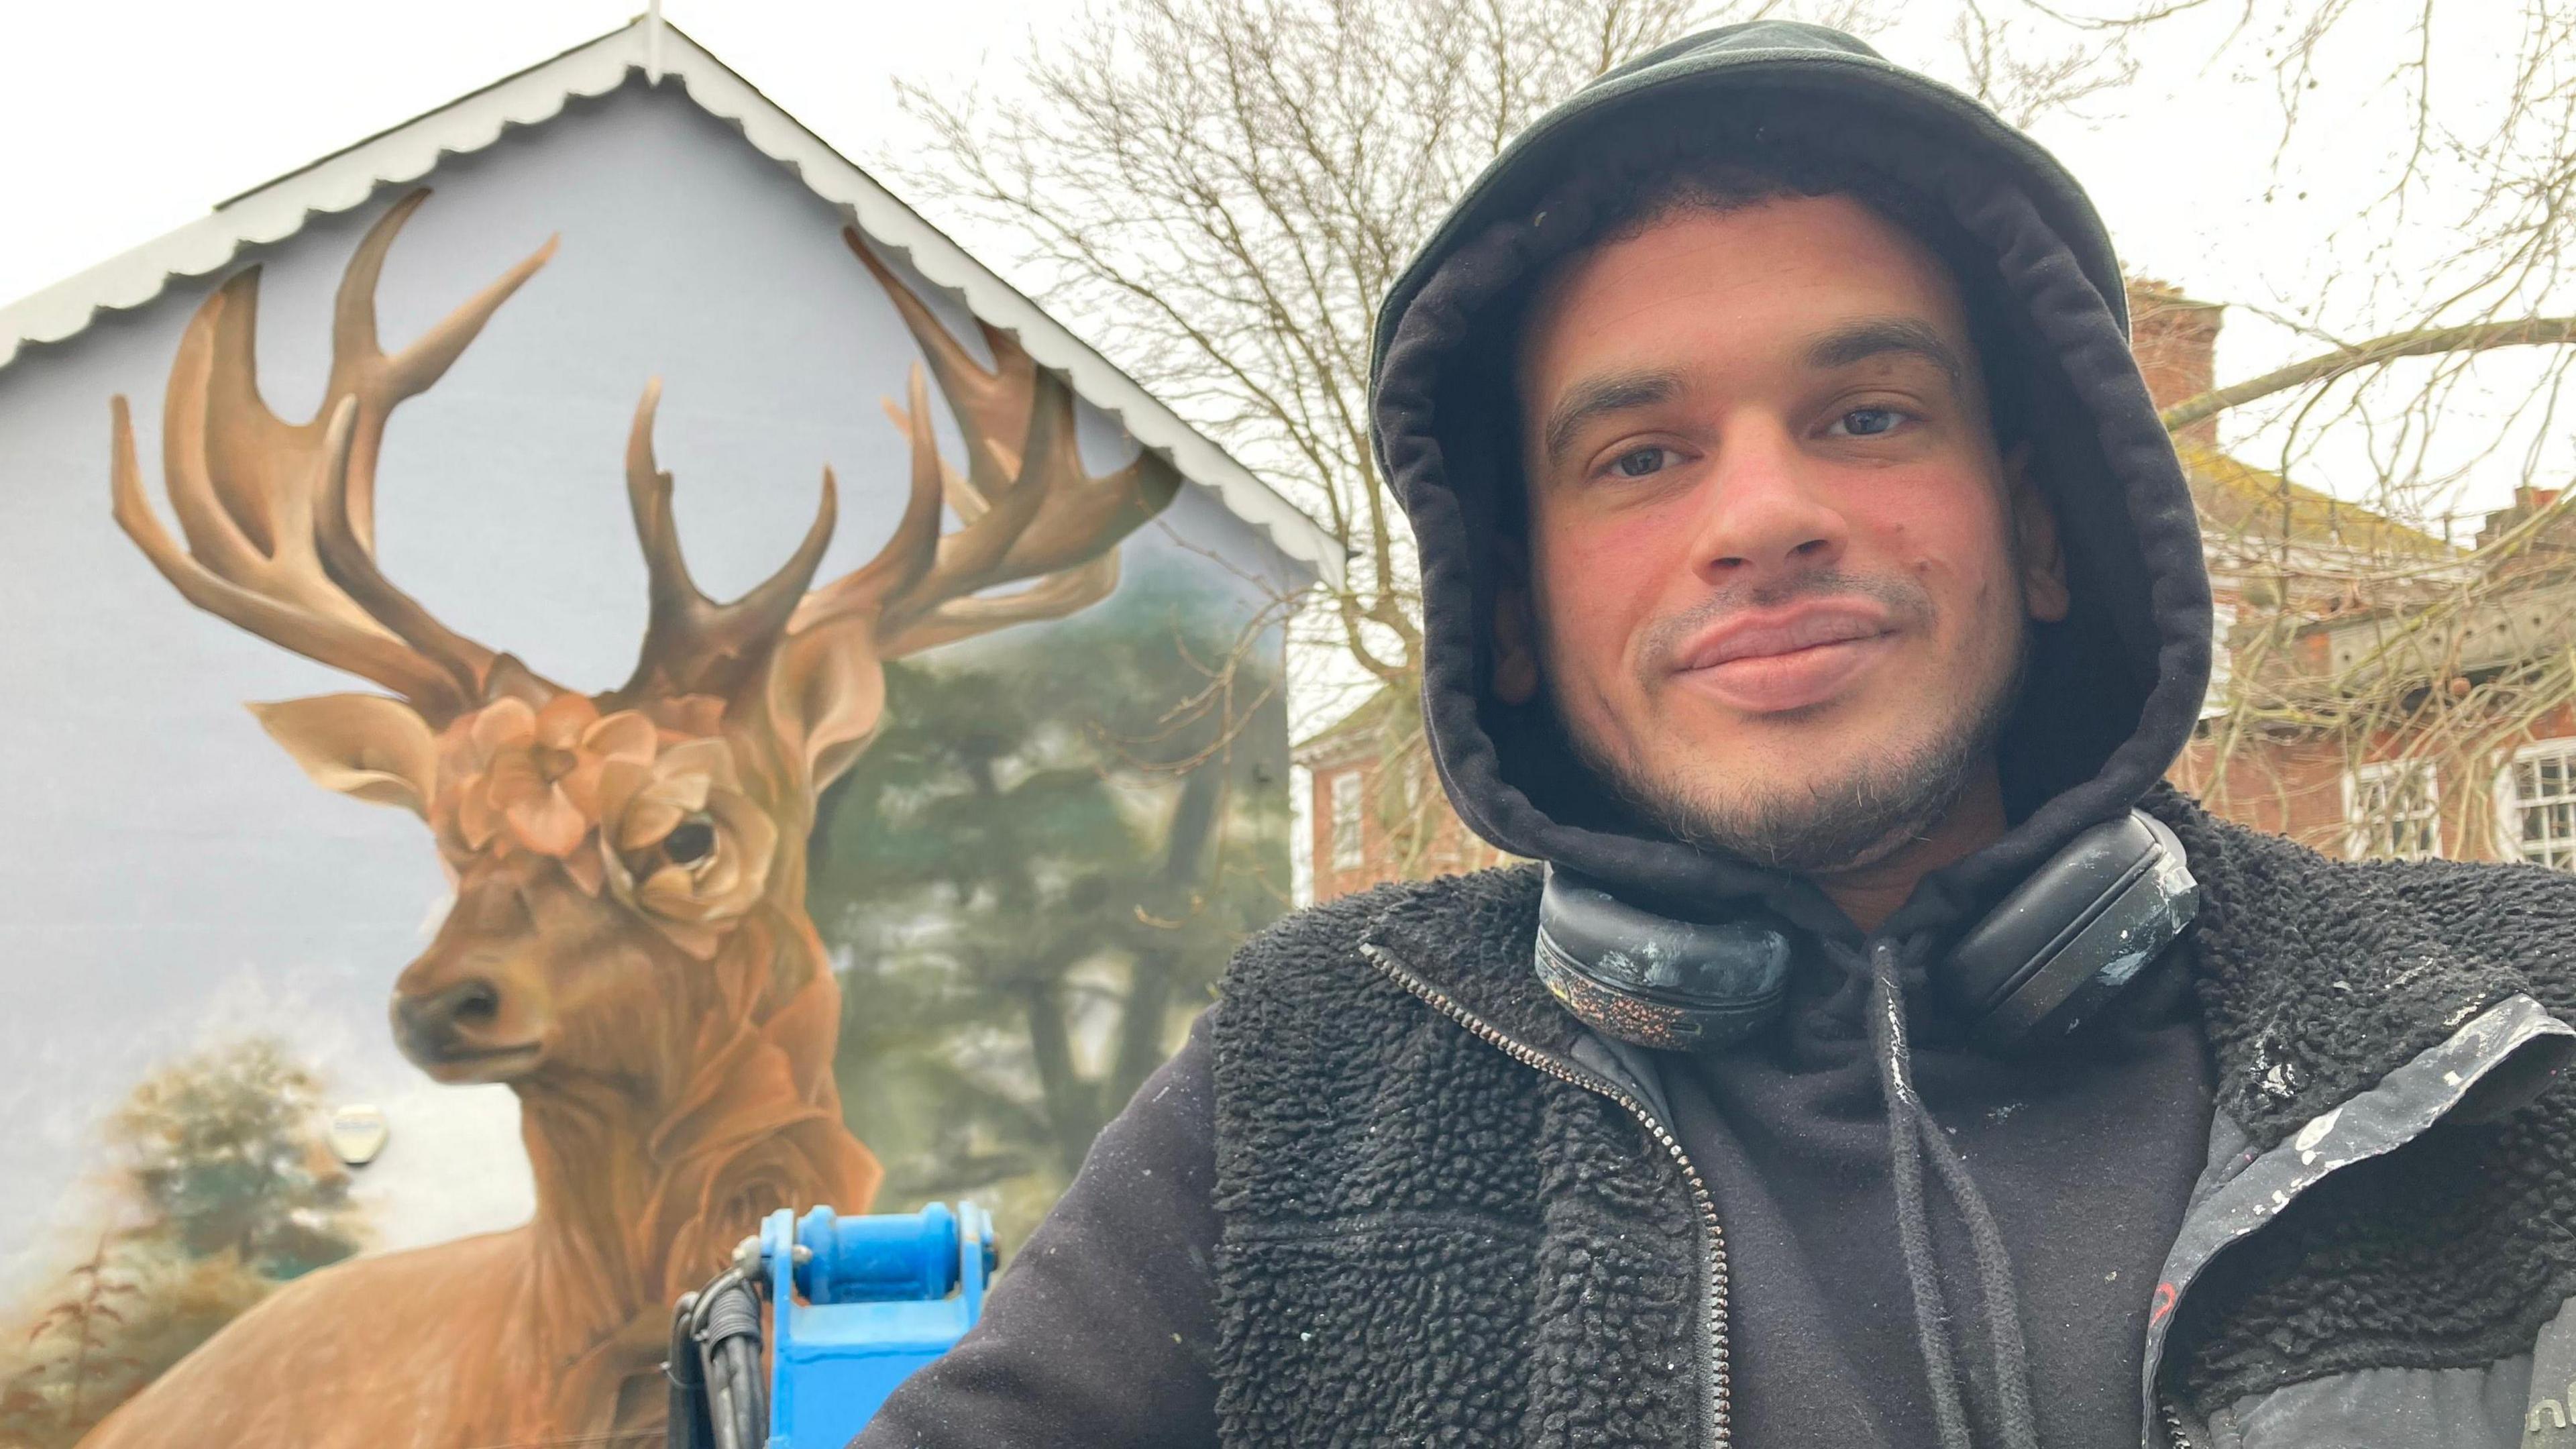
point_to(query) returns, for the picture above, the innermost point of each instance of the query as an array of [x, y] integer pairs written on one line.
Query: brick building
[[2457, 738], [2377, 692], [1379, 813], [2316, 598]]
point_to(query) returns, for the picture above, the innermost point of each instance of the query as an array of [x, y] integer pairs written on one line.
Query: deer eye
[[690, 842]]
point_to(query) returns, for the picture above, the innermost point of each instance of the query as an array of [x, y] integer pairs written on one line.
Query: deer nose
[[447, 1024]]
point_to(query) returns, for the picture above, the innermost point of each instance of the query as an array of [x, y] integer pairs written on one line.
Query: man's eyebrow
[[1617, 392], [1859, 341]]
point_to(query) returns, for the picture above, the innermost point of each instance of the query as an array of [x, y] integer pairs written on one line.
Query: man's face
[[1777, 571]]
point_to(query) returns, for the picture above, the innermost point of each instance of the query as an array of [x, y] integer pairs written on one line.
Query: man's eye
[[1867, 422], [1639, 462]]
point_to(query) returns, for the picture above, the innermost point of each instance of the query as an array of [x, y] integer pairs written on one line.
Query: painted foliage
[[881, 881]]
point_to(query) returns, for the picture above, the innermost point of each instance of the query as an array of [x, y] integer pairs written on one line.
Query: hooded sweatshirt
[[1104, 1329]]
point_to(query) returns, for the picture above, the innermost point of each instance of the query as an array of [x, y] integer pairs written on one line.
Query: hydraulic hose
[[687, 1420], [719, 1396]]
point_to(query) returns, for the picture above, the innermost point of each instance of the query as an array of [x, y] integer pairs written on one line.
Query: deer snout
[[465, 1031]]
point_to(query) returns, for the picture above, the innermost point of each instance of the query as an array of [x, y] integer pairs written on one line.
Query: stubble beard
[[1823, 826]]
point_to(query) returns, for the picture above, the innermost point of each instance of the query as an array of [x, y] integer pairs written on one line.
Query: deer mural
[[628, 948]]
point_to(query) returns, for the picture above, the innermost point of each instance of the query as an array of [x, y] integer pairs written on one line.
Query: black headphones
[[2062, 944]]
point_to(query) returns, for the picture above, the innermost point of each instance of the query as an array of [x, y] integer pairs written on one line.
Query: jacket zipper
[[2177, 1437], [1717, 1389]]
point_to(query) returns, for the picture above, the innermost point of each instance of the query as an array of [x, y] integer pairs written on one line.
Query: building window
[[1348, 848], [2539, 814], [2391, 811]]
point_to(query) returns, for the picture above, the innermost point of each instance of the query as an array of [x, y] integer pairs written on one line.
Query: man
[[1806, 576]]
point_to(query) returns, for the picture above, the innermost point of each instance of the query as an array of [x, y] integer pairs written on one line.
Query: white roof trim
[[348, 178]]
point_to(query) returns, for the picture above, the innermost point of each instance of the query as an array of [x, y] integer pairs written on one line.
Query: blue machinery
[[855, 1305]]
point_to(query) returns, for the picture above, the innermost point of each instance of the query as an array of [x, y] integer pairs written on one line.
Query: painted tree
[[1033, 878], [219, 1189], [221, 1151]]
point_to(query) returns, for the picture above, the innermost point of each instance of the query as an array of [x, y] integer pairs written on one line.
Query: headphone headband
[[2063, 943]]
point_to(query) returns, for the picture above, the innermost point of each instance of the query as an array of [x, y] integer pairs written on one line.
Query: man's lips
[[1772, 661], [1752, 636]]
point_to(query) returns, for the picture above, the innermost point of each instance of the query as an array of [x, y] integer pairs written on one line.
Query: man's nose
[[1760, 510]]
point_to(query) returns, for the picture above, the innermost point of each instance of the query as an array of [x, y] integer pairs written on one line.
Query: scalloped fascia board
[[346, 179]]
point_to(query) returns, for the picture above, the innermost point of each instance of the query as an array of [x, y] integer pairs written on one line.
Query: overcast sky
[[126, 118]]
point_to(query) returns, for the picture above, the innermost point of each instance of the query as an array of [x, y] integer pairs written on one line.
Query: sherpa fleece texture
[[1426, 1240], [2317, 978]]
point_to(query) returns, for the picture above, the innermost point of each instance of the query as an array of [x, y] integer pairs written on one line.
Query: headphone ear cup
[[2072, 936], [1673, 985], [1647, 1021]]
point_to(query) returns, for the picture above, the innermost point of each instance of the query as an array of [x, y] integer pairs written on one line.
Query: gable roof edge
[[348, 177], [338, 182]]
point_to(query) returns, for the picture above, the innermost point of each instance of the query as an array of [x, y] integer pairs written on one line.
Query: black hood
[[2111, 693]]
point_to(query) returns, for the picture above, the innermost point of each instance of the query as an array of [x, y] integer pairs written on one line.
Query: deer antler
[[280, 518], [692, 644], [1025, 507]]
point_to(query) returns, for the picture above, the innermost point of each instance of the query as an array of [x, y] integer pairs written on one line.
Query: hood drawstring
[[1913, 1135]]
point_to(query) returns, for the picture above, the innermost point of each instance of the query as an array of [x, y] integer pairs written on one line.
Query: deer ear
[[365, 745], [827, 696]]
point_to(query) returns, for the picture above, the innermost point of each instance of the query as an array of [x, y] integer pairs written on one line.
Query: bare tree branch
[[1223, 191], [2421, 342]]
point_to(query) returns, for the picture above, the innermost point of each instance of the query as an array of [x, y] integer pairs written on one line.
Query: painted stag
[[628, 948]]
